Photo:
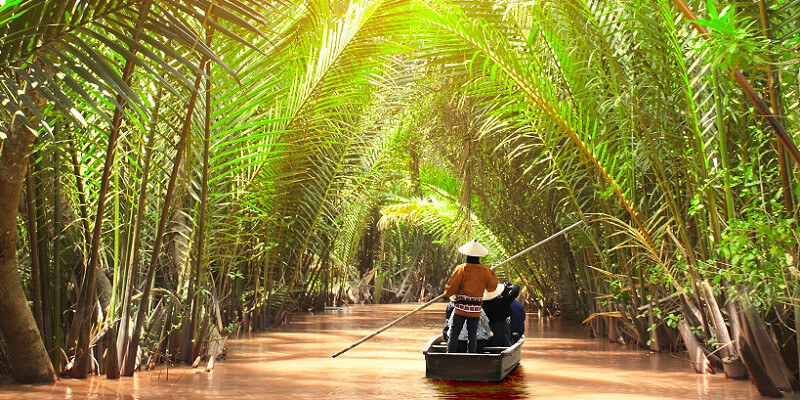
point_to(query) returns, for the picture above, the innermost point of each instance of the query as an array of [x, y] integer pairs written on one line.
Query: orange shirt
[[470, 280]]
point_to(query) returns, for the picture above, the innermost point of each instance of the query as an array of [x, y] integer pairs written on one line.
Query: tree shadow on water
[[513, 387]]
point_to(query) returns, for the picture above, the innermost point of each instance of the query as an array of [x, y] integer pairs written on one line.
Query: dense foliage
[[272, 157]]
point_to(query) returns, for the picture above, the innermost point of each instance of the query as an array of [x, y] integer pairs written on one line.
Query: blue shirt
[[517, 318]]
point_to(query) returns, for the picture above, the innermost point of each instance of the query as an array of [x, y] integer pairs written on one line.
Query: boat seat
[[439, 348], [494, 349]]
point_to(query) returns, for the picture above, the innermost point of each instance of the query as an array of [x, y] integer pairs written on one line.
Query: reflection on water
[[293, 362], [512, 388]]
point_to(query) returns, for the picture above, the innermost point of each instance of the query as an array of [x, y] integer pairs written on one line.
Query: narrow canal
[[293, 362]]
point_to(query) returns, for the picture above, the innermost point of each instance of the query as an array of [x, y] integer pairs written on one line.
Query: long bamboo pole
[[439, 297]]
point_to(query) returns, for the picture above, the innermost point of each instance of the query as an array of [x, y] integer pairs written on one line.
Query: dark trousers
[[501, 334], [455, 330]]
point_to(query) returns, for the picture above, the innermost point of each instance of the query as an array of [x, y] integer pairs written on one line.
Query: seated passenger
[[498, 310], [484, 333], [517, 321]]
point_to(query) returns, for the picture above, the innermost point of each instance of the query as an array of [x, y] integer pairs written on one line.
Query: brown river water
[[293, 362]]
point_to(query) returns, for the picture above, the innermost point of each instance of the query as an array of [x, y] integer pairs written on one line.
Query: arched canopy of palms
[[194, 167]]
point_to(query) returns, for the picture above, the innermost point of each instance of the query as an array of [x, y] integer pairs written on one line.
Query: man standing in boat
[[466, 289]]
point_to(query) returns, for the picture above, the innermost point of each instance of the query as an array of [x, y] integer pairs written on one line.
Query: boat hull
[[491, 366]]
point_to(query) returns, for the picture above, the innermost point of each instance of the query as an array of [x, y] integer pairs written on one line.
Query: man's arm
[[492, 281], [512, 294], [454, 283]]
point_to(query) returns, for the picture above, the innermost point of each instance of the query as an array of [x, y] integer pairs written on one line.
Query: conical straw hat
[[473, 248]]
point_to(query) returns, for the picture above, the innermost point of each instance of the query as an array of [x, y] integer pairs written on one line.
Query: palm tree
[[252, 152], [58, 57]]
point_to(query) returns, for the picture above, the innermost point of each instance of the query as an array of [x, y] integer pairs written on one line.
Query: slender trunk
[[695, 277], [773, 86], [722, 134], [797, 335], [88, 294], [654, 345], [733, 315], [201, 227], [36, 290], [39, 204], [72, 333], [163, 336], [770, 356], [83, 206], [123, 337], [613, 333], [111, 362], [734, 369], [759, 376], [56, 299], [199, 344], [133, 345], [26, 352], [308, 295], [96, 363], [268, 280], [747, 334], [699, 360]]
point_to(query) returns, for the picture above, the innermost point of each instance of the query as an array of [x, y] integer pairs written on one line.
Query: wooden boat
[[492, 364]]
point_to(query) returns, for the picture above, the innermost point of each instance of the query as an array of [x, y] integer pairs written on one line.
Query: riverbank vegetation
[[176, 170]]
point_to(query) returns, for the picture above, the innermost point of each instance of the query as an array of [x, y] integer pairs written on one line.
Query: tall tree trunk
[[764, 384], [770, 356], [36, 289], [88, 296], [733, 366], [775, 100], [111, 363], [797, 335], [83, 206], [133, 345], [26, 352], [201, 225], [699, 360], [40, 204], [123, 337], [56, 300]]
